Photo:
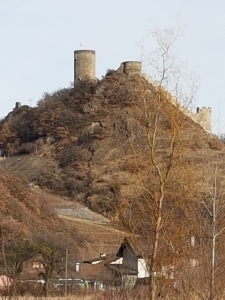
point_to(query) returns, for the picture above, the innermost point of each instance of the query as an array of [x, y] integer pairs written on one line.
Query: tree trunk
[[153, 287]]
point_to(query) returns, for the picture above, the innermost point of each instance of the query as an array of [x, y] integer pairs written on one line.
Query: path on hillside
[[75, 212], [79, 213], [96, 224]]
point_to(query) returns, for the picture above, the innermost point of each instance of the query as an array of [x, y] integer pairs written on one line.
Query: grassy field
[[110, 295]]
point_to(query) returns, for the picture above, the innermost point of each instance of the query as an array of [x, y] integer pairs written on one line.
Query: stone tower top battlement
[[203, 109]]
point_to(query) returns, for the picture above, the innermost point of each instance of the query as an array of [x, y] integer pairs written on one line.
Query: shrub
[[27, 148]]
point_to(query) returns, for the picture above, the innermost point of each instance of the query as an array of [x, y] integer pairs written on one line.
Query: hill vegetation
[[83, 135], [80, 141], [95, 144]]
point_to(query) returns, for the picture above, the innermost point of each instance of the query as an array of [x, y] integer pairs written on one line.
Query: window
[[37, 265]]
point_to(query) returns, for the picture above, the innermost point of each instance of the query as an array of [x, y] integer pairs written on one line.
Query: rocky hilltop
[[82, 139], [87, 165]]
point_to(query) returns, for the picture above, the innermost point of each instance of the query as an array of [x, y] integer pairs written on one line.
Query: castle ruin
[[130, 68], [84, 65], [84, 69], [202, 117]]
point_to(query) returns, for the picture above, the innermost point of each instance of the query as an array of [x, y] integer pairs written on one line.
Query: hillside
[[34, 220], [82, 138], [89, 144]]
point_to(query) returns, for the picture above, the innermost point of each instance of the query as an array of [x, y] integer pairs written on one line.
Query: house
[[32, 267], [5, 282], [95, 271], [133, 265], [136, 255], [88, 273], [132, 254]]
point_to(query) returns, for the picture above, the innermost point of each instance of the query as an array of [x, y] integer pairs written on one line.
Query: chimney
[[102, 255], [77, 267]]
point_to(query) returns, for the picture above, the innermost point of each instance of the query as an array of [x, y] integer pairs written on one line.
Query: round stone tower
[[131, 67], [84, 65]]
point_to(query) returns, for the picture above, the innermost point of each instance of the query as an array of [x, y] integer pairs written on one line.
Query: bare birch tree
[[156, 145], [212, 235]]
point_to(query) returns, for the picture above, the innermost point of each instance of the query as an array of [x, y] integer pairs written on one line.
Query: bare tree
[[156, 209], [4, 258], [212, 217]]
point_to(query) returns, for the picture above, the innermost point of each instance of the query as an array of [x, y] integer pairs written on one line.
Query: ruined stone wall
[[130, 68], [202, 115]]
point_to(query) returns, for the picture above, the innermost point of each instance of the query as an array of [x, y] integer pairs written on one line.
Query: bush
[[72, 154], [215, 144], [27, 148], [68, 155], [75, 186]]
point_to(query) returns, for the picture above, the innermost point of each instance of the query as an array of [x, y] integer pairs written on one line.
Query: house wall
[[142, 268], [33, 265], [129, 280], [5, 282], [129, 260]]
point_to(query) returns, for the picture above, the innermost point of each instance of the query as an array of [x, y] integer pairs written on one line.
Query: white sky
[[38, 37]]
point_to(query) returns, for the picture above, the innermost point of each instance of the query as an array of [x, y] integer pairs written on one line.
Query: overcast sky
[[38, 37]]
